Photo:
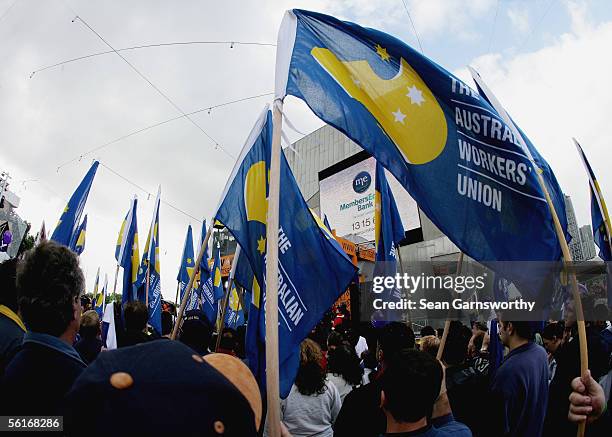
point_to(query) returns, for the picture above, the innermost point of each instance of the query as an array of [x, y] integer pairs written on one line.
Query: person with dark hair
[[344, 370], [365, 401], [49, 284], [90, 345], [166, 324], [196, 332], [12, 328], [314, 402], [227, 345], [520, 386], [553, 338], [568, 364], [413, 398], [427, 330], [135, 317], [334, 340]]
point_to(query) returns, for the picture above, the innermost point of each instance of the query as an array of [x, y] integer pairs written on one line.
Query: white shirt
[[341, 384], [362, 346]]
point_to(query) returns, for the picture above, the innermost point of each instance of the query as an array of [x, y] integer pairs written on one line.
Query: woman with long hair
[[314, 402], [343, 369]]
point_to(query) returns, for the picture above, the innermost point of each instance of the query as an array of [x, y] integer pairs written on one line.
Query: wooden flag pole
[[187, 292], [448, 322], [230, 283], [567, 258], [115, 286], [272, 362]]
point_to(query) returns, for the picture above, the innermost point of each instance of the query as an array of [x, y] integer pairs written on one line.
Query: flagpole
[[115, 285], [178, 285], [147, 284], [567, 258], [230, 283], [187, 292], [399, 258], [272, 363], [448, 321]]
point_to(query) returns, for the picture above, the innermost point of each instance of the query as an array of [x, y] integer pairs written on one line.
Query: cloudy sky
[[547, 61]]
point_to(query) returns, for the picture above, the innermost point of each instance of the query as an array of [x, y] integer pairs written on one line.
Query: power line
[[138, 131], [8, 10], [413, 28], [533, 29], [147, 192], [160, 92], [180, 43]]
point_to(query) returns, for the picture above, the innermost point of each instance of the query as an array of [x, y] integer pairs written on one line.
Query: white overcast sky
[[548, 61]]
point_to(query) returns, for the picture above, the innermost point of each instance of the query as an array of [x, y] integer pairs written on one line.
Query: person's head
[[394, 337], [600, 315], [135, 315], [512, 334], [166, 323], [334, 340], [369, 359], [343, 361], [310, 379], [569, 307], [456, 348], [427, 330], [49, 285], [410, 386], [479, 327], [196, 331], [475, 344], [90, 324], [552, 336], [430, 344], [8, 286], [85, 303], [228, 339]]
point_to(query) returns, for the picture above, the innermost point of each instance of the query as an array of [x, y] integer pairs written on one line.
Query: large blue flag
[[127, 253], [100, 301], [447, 146], [313, 269], [600, 218], [71, 215], [186, 271], [77, 242], [150, 267]]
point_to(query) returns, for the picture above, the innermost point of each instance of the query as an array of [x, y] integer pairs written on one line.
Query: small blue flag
[[212, 288], [127, 253], [186, 271], [447, 145], [234, 313], [100, 301], [77, 243], [313, 269], [71, 215], [150, 266]]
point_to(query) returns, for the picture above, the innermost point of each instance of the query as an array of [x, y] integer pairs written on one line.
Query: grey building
[[588, 243], [575, 244]]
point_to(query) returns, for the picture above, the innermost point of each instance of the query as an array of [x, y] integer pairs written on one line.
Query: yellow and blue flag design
[[96, 288], [313, 269], [447, 146], [186, 271], [600, 218], [77, 243], [150, 266], [127, 253], [234, 313], [100, 300], [71, 215], [212, 288]]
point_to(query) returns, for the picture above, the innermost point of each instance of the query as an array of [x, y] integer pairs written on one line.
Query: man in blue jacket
[[49, 283]]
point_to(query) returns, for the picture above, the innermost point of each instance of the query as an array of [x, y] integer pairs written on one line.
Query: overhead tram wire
[[138, 131], [160, 92], [180, 43], [147, 192], [533, 29], [413, 28]]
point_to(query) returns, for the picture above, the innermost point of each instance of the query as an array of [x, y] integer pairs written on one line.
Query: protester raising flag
[[100, 300], [72, 213], [313, 270], [127, 253], [77, 243], [212, 288], [234, 314], [447, 146], [186, 270], [149, 285], [600, 218]]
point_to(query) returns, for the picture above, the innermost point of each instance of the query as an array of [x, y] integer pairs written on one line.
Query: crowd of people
[[352, 380]]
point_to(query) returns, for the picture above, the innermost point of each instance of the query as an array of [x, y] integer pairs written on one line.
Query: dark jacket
[[88, 348], [39, 376], [360, 414], [11, 336], [520, 393]]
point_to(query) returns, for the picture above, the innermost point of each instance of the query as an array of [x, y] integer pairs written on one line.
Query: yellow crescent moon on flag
[[217, 281], [404, 106], [234, 301], [255, 199]]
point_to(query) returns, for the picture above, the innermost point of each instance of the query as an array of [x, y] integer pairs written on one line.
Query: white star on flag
[[415, 95], [399, 116]]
